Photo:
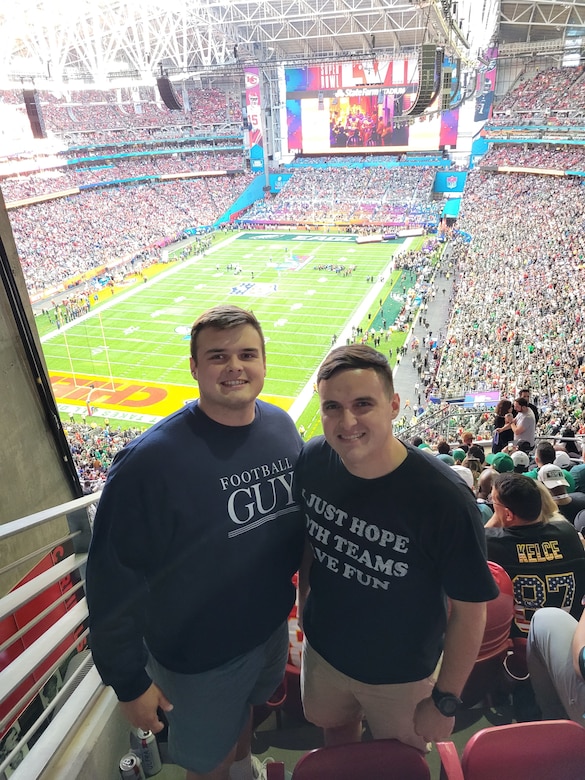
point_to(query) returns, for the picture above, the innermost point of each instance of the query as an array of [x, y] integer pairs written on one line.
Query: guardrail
[[47, 677]]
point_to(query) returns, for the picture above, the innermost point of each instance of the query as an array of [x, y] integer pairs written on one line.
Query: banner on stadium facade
[[278, 180], [253, 105], [450, 181], [256, 159], [485, 95]]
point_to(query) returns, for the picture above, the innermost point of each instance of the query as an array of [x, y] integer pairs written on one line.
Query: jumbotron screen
[[346, 107]]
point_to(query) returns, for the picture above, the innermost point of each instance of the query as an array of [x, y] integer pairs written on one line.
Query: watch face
[[447, 706], [446, 703]]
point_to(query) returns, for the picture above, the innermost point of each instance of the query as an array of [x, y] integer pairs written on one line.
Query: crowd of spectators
[[518, 310], [60, 238], [353, 159], [130, 108], [67, 177], [93, 448], [553, 96], [83, 137], [525, 156], [378, 196]]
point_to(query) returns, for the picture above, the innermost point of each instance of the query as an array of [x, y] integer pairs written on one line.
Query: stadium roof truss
[[99, 41], [530, 21]]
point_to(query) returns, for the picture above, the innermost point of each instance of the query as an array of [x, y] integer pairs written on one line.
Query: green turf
[[144, 336]]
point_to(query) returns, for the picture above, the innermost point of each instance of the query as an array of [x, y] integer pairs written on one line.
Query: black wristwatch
[[446, 703]]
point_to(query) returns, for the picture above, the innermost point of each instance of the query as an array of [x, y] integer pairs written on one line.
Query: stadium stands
[[518, 309], [380, 196], [93, 448], [60, 238], [121, 114], [523, 156], [553, 96]]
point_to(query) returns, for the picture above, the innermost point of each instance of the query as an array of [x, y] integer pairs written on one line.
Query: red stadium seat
[[496, 643], [293, 705], [382, 759], [274, 704], [275, 770], [542, 750]]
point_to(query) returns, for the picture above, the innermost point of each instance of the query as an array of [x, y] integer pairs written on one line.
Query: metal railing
[[47, 677], [446, 422]]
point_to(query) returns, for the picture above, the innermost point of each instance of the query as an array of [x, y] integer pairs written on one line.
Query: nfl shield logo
[[451, 182]]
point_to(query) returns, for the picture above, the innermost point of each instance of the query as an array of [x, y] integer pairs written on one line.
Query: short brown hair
[[519, 494], [354, 356], [223, 318]]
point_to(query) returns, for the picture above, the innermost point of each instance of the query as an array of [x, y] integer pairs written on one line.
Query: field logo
[[258, 290]]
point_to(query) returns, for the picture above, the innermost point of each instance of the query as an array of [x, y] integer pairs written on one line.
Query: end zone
[[152, 399]]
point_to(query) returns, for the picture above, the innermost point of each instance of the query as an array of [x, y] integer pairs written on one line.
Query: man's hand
[[142, 712], [494, 522], [304, 587], [430, 724]]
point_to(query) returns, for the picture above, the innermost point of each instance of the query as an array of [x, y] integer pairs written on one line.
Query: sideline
[[302, 400], [177, 266]]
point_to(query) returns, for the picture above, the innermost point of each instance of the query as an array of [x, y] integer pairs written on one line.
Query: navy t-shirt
[[196, 539]]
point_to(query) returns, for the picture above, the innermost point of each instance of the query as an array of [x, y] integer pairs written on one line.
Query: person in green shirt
[[545, 453]]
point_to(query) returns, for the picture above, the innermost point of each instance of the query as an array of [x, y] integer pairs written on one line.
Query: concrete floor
[[295, 738]]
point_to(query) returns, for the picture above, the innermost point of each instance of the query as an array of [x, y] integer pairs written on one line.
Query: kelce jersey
[[546, 563]]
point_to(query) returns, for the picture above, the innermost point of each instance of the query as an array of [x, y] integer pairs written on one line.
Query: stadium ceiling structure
[[96, 42], [537, 28]]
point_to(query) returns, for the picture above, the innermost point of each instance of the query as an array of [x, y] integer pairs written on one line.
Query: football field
[[305, 289]]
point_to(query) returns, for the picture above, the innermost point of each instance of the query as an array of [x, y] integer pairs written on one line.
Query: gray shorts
[[559, 690], [211, 708]]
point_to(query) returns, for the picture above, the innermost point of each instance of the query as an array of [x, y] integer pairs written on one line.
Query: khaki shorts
[[332, 699]]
